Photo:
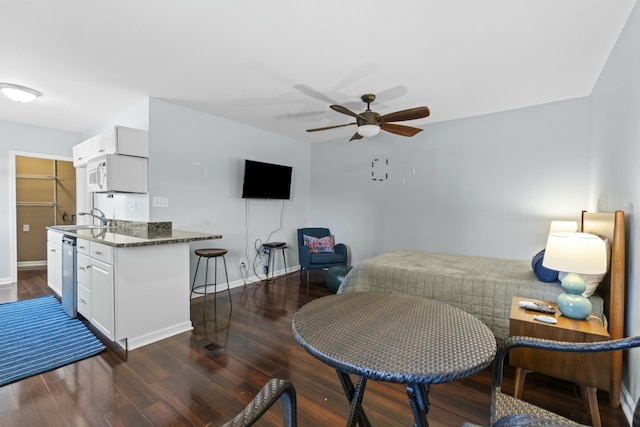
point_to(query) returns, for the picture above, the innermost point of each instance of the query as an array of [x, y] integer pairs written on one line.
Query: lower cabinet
[[95, 284], [102, 297], [54, 261], [134, 295], [83, 277]]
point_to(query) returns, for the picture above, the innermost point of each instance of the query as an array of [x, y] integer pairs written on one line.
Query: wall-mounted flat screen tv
[[266, 181]]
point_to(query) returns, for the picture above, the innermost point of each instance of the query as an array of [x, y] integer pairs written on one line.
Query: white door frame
[[13, 237]]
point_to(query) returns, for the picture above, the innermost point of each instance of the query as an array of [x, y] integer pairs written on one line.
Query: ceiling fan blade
[[410, 114], [329, 127], [345, 110], [399, 129], [312, 93], [391, 93], [355, 136]]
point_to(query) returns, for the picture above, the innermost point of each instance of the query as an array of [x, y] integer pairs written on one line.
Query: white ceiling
[[278, 65]]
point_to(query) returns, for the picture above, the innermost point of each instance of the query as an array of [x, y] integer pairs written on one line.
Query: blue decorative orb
[[574, 306]]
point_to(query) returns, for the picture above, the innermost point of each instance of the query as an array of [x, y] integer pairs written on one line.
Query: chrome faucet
[[102, 217]]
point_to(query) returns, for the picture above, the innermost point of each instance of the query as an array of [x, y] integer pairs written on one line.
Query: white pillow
[[592, 280]]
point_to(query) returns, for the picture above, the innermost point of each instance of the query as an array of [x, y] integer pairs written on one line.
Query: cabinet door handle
[[81, 247], [88, 267], [101, 150], [97, 253], [82, 300], [80, 268]]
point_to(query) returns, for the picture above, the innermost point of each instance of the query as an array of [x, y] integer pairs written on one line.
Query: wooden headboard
[[612, 288]]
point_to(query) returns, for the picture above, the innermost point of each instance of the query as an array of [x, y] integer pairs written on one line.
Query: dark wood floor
[[179, 382]]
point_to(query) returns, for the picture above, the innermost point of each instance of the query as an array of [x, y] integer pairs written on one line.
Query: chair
[[508, 411], [270, 393], [318, 260]]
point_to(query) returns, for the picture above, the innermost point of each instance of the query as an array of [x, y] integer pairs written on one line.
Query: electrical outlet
[[266, 269], [243, 264], [160, 202]]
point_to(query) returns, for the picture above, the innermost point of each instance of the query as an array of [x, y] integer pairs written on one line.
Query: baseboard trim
[[32, 265]]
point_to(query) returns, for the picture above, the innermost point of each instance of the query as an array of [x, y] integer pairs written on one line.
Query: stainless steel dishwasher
[[69, 287]]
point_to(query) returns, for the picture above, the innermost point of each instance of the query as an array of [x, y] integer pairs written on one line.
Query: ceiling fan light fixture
[[368, 130], [19, 93]]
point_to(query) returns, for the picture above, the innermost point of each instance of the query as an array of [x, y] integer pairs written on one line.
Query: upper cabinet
[[119, 140], [82, 154]]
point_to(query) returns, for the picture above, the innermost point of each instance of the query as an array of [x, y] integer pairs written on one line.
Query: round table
[[395, 338]]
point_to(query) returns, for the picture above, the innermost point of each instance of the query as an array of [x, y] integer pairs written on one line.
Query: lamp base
[[574, 306]]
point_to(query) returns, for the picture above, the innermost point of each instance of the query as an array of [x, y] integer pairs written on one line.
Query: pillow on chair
[[319, 244]]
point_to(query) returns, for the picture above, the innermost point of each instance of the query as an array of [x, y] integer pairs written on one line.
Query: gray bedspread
[[481, 286]]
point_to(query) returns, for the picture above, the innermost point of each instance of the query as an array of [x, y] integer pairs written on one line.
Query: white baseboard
[[627, 403], [32, 265], [247, 281], [136, 342]]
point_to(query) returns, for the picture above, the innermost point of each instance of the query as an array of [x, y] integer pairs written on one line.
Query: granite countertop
[[127, 238]]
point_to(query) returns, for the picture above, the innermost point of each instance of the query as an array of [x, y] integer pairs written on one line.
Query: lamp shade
[[368, 130], [580, 253]]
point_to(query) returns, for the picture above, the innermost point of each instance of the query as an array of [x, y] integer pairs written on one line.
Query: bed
[[484, 287]]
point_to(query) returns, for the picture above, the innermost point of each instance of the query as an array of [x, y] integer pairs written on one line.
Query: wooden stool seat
[[211, 253]]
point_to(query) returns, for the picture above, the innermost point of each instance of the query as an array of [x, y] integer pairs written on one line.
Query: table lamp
[[575, 253]]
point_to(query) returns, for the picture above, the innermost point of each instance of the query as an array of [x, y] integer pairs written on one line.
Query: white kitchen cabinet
[[102, 282], [81, 154], [118, 140], [121, 140], [83, 278], [134, 295], [54, 261]]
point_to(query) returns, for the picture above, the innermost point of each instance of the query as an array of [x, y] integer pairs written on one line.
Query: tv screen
[[266, 181]]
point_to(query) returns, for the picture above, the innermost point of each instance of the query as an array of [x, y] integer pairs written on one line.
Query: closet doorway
[[45, 195]]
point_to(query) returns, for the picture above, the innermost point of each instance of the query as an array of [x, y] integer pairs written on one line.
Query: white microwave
[[117, 173]]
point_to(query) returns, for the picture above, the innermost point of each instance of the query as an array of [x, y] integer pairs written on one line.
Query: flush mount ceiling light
[[18, 93]]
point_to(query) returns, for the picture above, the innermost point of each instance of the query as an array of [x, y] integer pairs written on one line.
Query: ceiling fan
[[369, 122]]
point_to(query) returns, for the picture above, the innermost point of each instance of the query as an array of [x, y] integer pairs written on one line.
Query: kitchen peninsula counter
[[123, 238], [134, 279]]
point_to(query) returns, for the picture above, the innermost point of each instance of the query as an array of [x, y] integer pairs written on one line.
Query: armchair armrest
[[270, 393], [341, 249], [304, 256]]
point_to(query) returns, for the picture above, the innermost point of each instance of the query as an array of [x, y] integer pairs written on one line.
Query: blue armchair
[[321, 260]]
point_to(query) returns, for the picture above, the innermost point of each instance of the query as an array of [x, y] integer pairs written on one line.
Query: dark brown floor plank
[[175, 382]]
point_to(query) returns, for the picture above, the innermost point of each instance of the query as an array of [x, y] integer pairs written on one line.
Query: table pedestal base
[[418, 400]]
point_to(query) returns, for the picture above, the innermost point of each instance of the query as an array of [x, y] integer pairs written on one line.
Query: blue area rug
[[36, 336]]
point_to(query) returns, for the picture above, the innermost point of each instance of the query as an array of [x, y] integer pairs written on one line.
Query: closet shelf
[[43, 204], [33, 176]]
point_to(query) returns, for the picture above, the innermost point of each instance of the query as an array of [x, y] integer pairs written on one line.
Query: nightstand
[[594, 367]]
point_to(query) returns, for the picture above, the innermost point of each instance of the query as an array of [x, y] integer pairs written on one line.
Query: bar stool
[[214, 253]]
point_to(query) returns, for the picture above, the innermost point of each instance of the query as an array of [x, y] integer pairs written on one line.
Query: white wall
[[615, 175], [486, 185], [28, 139], [197, 161]]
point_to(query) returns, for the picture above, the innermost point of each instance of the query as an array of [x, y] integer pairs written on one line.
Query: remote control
[[545, 319], [536, 306]]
